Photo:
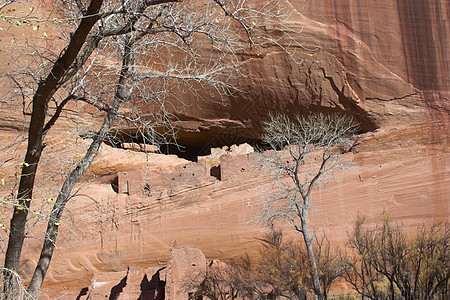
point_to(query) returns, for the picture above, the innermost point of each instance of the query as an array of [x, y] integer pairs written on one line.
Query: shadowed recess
[[83, 292], [117, 289], [153, 289], [193, 142]]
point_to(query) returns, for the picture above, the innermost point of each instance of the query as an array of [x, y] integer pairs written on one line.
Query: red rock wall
[[386, 62], [402, 172], [408, 38]]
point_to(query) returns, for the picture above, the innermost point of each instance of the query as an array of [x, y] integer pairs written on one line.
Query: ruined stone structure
[[151, 283], [221, 164]]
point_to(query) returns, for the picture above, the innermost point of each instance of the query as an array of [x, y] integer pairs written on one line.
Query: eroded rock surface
[[402, 172], [385, 62]]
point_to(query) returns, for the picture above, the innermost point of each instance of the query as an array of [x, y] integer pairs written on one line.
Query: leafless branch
[[303, 153]]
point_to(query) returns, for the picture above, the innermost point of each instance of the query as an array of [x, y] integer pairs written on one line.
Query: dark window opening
[[147, 190], [153, 289], [115, 184], [117, 289], [215, 172], [83, 292]]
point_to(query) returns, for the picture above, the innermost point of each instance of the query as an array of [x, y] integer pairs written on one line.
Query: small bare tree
[[304, 152], [414, 266], [281, 270], [222, 281], [359, 270], [329, 263]]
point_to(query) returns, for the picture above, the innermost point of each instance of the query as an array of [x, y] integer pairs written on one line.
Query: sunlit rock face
[[384, 62], [384, 42]]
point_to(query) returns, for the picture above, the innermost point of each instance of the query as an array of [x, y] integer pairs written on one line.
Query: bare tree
[[36, 134], [415, 266], [220, 281], [119, 57], [303, 153], [284, 269], [329, 263], [359, 271], [281, 269], [5, 3]]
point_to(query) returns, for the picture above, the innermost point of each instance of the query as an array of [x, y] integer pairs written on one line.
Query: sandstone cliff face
[[403, 39], [407, 178], [385, 62]]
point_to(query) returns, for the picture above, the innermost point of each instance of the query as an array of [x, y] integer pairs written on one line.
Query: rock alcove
[[194, 142]]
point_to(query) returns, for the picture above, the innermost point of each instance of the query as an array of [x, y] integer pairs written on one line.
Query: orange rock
[[385, 62]]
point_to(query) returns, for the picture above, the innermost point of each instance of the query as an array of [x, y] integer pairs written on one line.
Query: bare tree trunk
[[312, 257], [305, 137], [63, 197], [36, 134]]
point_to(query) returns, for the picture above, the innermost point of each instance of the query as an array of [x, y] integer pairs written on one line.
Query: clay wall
[[134, 283], [158, 184], [233, 166]]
